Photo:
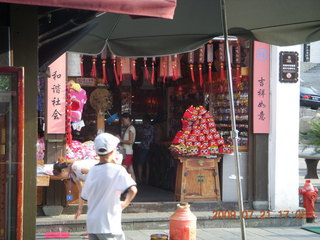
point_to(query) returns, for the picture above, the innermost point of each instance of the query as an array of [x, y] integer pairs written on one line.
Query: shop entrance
[[10, 152]]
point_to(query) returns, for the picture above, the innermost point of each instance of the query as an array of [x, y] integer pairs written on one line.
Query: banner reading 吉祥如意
[[261, 88]]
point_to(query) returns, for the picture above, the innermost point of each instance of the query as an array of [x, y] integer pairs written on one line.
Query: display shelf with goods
[[221, 110]]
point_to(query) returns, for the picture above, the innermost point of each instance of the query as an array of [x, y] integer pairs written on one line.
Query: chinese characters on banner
[[261, 88], [56, 97]]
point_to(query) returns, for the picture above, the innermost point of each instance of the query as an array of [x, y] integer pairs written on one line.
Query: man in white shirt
[[104, 184]]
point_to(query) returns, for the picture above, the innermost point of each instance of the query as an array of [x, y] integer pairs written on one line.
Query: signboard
[[261, 88], [86, 82], [56, 97], [289, 67]]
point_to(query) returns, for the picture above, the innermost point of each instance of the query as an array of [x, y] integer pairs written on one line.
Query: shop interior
[[164, 88]]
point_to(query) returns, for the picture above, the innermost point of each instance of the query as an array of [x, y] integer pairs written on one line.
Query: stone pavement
[[292, 233]]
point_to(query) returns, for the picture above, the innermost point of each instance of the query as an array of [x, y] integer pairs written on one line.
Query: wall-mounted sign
[[289, 67], [56, 97], [86, 82], [261, 88]]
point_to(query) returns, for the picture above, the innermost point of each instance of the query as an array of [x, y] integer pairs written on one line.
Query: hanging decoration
[[146, 72], [174, 59], [222, 60], [152, 71], [81, 65], [94, 67], [68, 117], [191, 63], [210, 60], [201, 62], [104, 62], [114, 61], [164, 68], [133, 69], [237, 61]]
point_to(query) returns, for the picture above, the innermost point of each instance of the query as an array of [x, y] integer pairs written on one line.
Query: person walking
[[104, 184]]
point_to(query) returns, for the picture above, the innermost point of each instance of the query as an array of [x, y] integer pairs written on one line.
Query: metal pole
[[234, 132]]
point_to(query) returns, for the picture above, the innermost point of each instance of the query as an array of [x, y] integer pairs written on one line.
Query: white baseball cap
[[105, 143]]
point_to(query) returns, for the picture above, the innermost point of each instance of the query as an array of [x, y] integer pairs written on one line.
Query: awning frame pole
[[234, 132]]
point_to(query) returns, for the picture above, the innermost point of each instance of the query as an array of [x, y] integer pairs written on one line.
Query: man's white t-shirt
[[128, 147], [104, 184], [77, 167]]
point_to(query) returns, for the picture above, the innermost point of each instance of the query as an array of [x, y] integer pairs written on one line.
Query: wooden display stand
[[197, 179]]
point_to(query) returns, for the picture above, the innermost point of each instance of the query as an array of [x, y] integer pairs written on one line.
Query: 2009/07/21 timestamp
[[249, 214]]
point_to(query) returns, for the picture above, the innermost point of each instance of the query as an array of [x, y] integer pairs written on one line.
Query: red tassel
[[222, 75], [200, 75], [120, 72], [238, 77], [192, 72], [210, 73], [115, 72], [152, 73], [81, 65], [146, 72], [133, 70], [164, 73], [94, 67], [104, 72], [174, 68]]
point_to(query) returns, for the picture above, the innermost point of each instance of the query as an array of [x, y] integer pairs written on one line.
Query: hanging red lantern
[[210, 60]]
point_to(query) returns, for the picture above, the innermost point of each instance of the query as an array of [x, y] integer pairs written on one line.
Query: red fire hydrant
[[310, 195]]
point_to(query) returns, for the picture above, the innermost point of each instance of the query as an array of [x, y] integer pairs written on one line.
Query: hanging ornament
[[114, 60], [210, 60], [164, 68], [237, 61], [68, 116], [94, 67], [104, 62], [221, 59], [133, 69], [146, 72], [81, 65], [201, 62], [191, 62], [152, 71], [174, 59]]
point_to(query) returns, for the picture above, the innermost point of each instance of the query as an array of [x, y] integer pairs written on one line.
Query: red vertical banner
[[261, 88], [56, 97]]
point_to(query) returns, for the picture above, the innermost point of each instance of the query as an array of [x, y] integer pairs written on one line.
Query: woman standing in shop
[[127, 139]]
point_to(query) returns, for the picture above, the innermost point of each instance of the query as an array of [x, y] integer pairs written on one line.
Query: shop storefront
[[101, 88]]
